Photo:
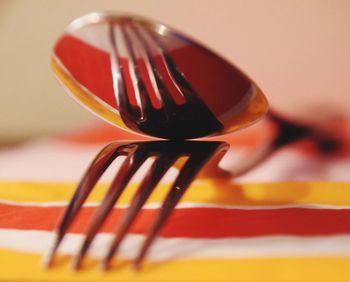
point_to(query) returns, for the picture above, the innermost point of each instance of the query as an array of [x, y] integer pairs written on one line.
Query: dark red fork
[[166, 153]]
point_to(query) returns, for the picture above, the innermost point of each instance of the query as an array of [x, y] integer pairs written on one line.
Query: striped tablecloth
[[289, 220]]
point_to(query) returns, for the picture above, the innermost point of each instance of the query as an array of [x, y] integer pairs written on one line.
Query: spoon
[[148, 78]]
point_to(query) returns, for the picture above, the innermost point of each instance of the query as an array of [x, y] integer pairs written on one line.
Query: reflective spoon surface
[[146, 77]]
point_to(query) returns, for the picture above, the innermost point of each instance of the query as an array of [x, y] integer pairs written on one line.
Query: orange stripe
[[211, 191]]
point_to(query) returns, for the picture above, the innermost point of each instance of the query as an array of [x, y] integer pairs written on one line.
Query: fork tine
[[161, 64], [155, 174], [191, 168], [90, 178], [144, 67], [129, 167]]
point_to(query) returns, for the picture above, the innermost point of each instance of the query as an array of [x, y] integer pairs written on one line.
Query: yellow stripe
[[25, 267], [201, 191]]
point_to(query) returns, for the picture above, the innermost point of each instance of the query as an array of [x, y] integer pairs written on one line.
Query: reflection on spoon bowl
[[145, 77]]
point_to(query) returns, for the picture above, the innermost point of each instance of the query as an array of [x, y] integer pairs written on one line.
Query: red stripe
[[88, 65], [196, 222]]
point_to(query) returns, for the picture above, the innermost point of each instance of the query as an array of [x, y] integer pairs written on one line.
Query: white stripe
[[60, 161], [184, 248], [186, 205]]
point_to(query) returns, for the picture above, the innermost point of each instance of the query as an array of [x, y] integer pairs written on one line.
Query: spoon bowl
[[148, 78]]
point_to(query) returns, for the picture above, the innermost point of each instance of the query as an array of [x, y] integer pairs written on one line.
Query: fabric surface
[[288, 220]]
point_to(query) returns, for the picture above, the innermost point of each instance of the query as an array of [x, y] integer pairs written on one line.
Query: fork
[[165, 154], [201, 156]]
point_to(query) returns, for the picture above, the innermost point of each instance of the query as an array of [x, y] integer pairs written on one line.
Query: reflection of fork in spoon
[[146, 77]]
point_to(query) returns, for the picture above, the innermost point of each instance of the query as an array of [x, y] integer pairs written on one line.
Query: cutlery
[[148, 78], [165, 153]]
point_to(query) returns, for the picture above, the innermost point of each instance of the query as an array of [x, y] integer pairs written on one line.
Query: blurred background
[[296, 51]]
